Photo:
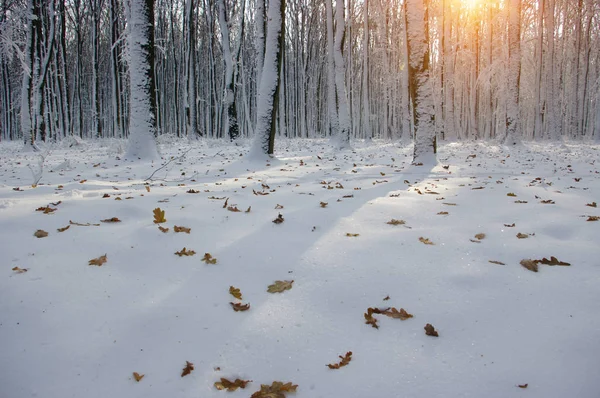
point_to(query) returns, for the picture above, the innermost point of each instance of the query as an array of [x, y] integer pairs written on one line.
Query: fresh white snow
[[68, 329]]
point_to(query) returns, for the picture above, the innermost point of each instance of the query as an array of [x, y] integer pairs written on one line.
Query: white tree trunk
[[331, 102], [343, 137], [142, 121], [514, 72]]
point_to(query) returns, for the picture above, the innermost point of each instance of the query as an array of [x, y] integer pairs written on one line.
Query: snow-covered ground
[[69, 329]]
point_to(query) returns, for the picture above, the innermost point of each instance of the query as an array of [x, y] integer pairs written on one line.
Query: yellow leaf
[[159, 216], [235, 292], [480, 236], [531, 265], [163, 229], [393, 221], [185, 252], [19, 270], [323, 204], [209, 259], [98, 261], [280, 286], [225, 384], [352, 235], [138, 377], [147, 190], [182, 229], [276, 390], [425, 241]]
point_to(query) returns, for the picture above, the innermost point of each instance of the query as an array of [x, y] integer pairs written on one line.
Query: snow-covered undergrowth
[[69, 329]]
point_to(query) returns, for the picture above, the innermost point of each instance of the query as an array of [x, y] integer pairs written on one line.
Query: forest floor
[[451, 259]]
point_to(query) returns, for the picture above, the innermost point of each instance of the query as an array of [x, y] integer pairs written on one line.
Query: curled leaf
[[496, 262], [480, 236], [235, 292], [279, 219], [393, 221], [177, 228], [430, 330], [276, 390], [111, 220], [522, 236], [397, 314], [19, 270], [425, 241], [345, 360], [138, 377], [209, 259], [185, 252], [323, 204], [531, 265], [239, 307], [351, 235], [40, 233], [63, 229], [163, 229], [188, 368], [98, 261]]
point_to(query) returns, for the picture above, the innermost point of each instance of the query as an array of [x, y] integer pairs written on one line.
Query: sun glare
[[470, 3]]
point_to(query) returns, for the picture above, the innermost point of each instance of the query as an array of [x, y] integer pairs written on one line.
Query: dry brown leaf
[[345, 360], [370, 319], [185, 252], [351, 235], [46, 209], [593, 204], [98, 261], [280, 286], [147, 188], [248, 209], [225, 384], [509, 225], [19, 270], [394, 313], [449, 204], [138, 377], [278, 207], [276, 390], [496, 262], [480, 236], [386, 298], [522, 236], [553, 261], [83, 225], [511, 194], [163, 229], [531, 265], [40, 233], [442, 213], [209, 259], [279, 219], [239, 307], [523, 385], [323, 204], [111, 220], [520, 201], [177, 228], [593, 218], [393, 221], [188, 368], [233, 209], [430, 330], [235, 292], [192, 191], [105, 196], [547, 202], [425, 241], [63, 229], [159, 216], [118, 198]]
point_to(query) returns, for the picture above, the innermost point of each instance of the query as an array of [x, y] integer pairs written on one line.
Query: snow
[[70, 330]]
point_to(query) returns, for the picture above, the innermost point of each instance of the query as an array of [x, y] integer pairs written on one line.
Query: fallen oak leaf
[[345, 360], [239, 307], [188, 368], [509, 225], [138, 377], [278, 207], [531, 265], [553, 261], [225, 384], [496, 262], [275, 390], [248, 209], [98, 261], [159, 216], [177, 228], [185, 252], [235, 292], [19, 270], [351, 235], [209, 259], [63, 229], [46, 210], [370, 319], [279, 219], [163, 229], [393, 221], [523, 385], [192, 191], [40, 233], [430, 330], [522, 236], [593, 218], [425, 241], [593, 204], [280, 286], [480, 236], [394, 313], [111, 220], [83, 225], [323, 204], [442, 213], [233, 209]]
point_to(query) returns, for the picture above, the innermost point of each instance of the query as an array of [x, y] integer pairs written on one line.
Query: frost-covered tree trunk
[[265, 135], [190, 99], [142, 117], [342, 140], [230, 123], [419, 82], [514, 72], [27, 82], [366, 113], [260, 40], [331, 102]]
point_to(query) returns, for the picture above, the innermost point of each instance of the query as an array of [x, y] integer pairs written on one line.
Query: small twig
[[166, 164]]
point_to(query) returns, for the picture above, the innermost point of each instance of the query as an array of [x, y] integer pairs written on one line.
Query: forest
[[66, 68]]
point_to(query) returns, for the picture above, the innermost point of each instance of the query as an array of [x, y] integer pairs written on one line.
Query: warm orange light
[[470, 3]]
